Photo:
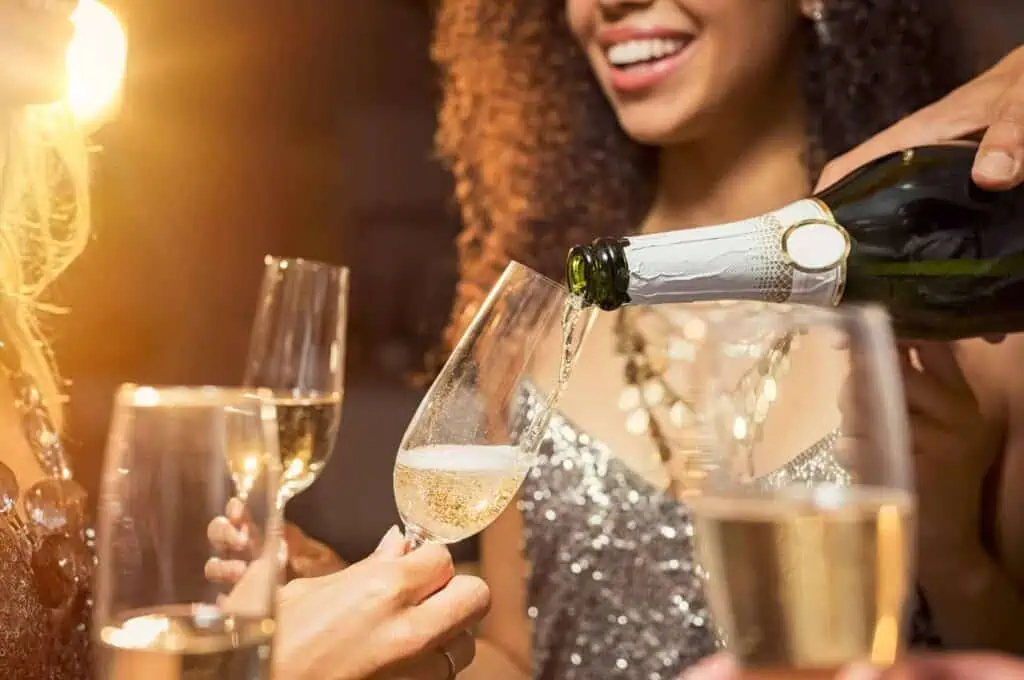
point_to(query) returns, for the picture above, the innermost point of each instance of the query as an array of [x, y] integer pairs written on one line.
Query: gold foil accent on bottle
[[772, 277]]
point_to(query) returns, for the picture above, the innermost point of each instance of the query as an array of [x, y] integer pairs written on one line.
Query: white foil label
[[741, 260]]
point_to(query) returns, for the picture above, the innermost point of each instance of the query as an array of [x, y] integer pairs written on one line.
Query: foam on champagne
[[452, 492], [462, 458]]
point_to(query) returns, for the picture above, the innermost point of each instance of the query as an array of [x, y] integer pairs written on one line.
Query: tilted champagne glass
[[472, 441], [166, 477], [297, 350], [804, 519]]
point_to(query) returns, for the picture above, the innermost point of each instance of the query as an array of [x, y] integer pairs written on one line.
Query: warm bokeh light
[[96, 61]]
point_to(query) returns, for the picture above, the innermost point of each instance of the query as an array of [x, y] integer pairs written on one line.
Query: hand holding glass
[[166, 477]]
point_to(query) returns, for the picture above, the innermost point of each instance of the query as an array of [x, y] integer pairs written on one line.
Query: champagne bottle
[[910, 231]]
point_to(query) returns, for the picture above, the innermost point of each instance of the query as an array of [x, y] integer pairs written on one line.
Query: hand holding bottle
[[910, 231], [993, 102]]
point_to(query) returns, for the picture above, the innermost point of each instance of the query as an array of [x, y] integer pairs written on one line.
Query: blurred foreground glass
[[470, 444], [166, 477], [804, 524], [297, 350]]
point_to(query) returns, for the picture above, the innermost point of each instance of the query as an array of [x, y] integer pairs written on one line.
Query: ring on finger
[[451, 664]]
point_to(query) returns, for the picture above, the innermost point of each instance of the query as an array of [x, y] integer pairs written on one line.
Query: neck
[[746, 166]]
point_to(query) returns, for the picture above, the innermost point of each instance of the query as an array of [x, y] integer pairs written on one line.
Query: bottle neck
[[742, 260], [599, 273]]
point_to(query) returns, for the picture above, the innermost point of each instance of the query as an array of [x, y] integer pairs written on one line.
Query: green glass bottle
[[910, 231]]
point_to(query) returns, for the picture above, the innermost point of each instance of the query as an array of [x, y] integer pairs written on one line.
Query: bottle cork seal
[[816, 245]]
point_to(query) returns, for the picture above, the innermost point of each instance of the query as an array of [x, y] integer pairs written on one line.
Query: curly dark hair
[[541, 163]]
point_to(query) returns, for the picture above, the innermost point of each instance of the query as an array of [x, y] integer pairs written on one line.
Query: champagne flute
[[297, 350], [804, 521], [470, 443], [165, 480]]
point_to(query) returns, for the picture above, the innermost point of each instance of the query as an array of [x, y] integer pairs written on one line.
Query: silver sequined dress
[[614, 590]]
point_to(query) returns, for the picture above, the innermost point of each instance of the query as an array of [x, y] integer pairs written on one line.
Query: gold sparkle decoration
[[655, 410]]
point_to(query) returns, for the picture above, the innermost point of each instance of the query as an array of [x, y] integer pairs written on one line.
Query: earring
[[821, 24]]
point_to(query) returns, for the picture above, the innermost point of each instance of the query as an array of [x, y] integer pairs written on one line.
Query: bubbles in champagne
[[576, 317], [453, 492], [575, 322], [307, 428]]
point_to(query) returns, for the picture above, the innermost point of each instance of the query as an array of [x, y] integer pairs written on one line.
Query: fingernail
[[717, 667], [997, 165], [859, 671], [392, 533]]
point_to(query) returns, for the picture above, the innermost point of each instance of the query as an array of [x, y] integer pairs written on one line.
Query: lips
[[639, 59]]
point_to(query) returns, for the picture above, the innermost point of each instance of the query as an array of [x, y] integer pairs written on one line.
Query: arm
[[503, 647], [993, 102], [975, 591], [976, 605]]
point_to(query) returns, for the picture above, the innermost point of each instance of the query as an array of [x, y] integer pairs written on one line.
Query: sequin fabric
[[45, 573], [44, 608], [614, 590]]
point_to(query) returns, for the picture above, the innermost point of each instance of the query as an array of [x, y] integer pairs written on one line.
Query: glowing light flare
[[96, 61]]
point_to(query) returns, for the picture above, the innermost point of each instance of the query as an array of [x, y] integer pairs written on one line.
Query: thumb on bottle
[[1000, 162], [997, 169]]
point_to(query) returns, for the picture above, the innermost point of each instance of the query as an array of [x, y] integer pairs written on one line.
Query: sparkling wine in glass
[[472, 440], [297, 350], [804, 524], [165, 479]]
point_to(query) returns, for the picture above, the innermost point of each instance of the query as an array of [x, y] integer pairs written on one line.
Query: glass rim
[[305, 263], [515, 265], [182, 396]]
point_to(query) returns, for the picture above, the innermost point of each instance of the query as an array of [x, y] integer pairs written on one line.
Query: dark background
[[298, 127]]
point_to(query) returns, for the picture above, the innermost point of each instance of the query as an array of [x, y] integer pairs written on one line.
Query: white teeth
[[636, 51]]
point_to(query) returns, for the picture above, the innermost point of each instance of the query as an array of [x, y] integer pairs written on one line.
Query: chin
[[662, 121], [655, 130], [652, 135]]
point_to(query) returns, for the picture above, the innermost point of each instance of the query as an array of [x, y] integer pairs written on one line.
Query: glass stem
[[414, 537]]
